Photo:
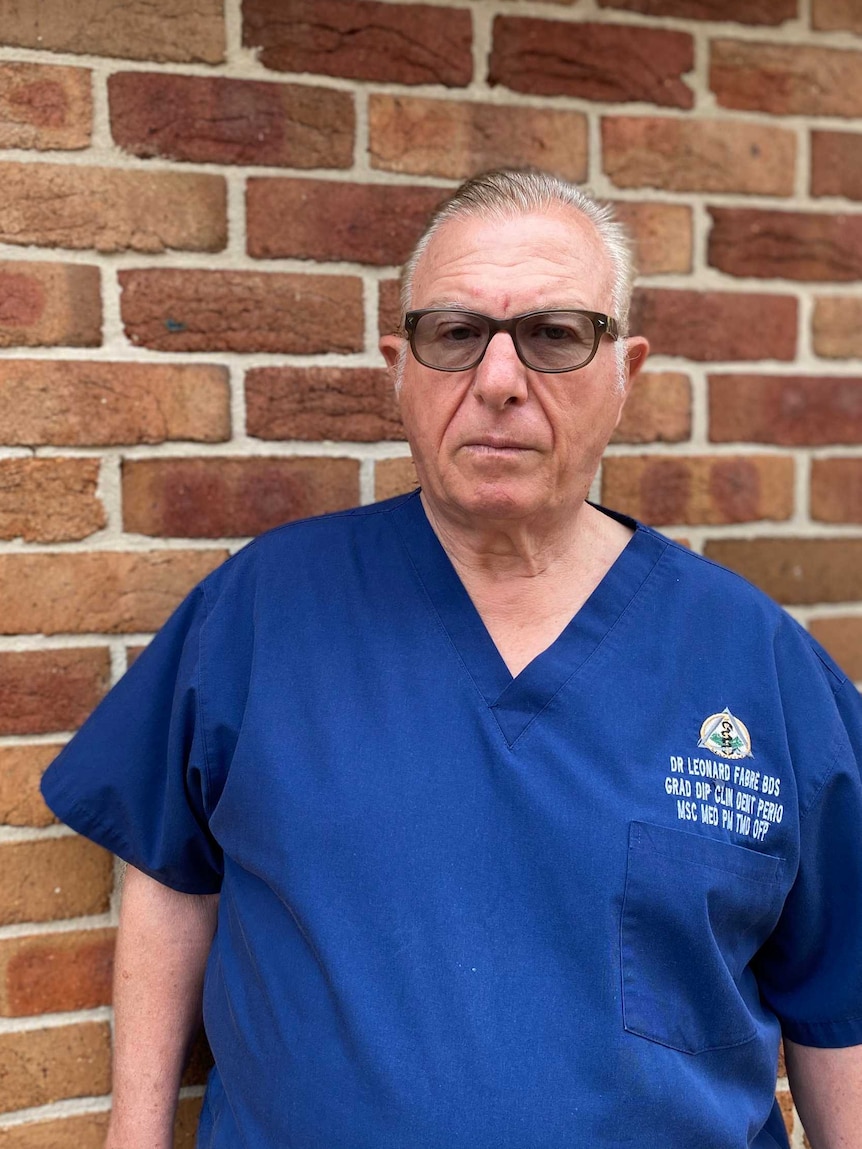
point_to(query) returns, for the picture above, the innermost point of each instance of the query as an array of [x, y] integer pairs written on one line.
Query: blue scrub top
[[462, 910]]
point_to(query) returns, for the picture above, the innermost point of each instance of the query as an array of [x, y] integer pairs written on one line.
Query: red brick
[[21, 768], [325, 220], [207, 119], [43, 106], [741, 11], [716, 325], [658, 410], [49, 500], [836, 490], [791, 410], [57, 205], [699, 489], [698, 155], [42, 691], [608, 62], [785, 1104], [39, 1066], [49, 304], [842, 637], [836, 16], [53, 878], [184, 310], [453, 139], [394, 477], [342, 403], [82, 1131], [837, 326], [220, 498], [796, 570], [836, 164], [75, 403], [662, 233], [52, 973], [362, 40], [135, 30], [786, 244], [389, 306], [109, 592], [786, 79], [185, 1123]]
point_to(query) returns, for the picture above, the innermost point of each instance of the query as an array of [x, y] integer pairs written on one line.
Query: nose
[[500, 380]]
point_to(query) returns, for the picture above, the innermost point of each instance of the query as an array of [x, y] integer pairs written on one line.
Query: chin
[[495, 501]]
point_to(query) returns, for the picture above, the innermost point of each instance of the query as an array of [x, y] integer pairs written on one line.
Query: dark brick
[[741, 11], [309, 403], [798, 571], [716, 325], [790, 410], [786, 244], [42, 691]]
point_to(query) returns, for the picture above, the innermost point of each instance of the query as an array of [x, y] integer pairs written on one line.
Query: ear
[[637, 349], [389, 346]]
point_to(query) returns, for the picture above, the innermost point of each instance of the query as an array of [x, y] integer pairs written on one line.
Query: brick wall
[[202, 214]]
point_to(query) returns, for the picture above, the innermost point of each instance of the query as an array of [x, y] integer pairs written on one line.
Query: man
[[531, 829]]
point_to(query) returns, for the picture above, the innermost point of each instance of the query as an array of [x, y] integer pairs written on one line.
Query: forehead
[[515, 264]]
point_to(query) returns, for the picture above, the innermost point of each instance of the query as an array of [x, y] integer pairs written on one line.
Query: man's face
[[502, 441]]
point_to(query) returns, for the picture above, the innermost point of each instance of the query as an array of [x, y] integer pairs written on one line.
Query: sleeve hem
[[824, 1034]]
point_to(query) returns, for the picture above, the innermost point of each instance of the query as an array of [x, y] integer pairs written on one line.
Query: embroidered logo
[[725, 736]]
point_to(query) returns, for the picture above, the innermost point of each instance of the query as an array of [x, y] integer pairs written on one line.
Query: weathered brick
[[362, 40], [135, 30], [716, 325], [52, 973], [791, 410], [217, 120], [785, 1104], [798, 571], [394, 477], [53, 878], [345, 403], [786, 79], [44, 1065], [56, 205], [836, 490], [81, 1131], [74, 403], [836, 16], [109, 592], [699, 489], [552, 58], [788, 244], [388, 306], [220, 498], [453, 139], [658, 410], [836, 164], [21, 768], [662, 233], [842, 637], [46, 690], [186, 1122], [49, 304], [740, 11], [698, 155], [185, 310], [49, 500], [326, 220], [43, 106], [837, 326]]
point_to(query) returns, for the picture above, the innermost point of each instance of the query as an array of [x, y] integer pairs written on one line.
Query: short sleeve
[[135, 777], [810, 971]]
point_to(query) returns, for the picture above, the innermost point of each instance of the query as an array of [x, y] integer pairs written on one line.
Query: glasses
[[547, 341]]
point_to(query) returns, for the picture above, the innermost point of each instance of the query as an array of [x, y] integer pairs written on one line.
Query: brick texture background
[[204, 206]]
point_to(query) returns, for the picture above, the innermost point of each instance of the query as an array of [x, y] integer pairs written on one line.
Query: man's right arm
[[162, 947]]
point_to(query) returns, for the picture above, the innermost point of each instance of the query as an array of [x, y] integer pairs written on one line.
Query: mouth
[[493, 444]]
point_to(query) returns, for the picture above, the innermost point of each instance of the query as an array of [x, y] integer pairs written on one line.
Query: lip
[[494, 443]]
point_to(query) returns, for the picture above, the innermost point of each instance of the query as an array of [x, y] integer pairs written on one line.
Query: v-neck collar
[[516, 702]]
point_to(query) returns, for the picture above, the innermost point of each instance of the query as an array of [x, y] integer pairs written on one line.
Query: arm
[[827, 1088], [162, 946]]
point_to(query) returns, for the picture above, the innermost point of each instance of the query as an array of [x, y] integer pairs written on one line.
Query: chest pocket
[[695, 912]]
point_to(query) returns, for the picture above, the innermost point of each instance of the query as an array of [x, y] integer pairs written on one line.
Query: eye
[[455, 329], [572, 330]]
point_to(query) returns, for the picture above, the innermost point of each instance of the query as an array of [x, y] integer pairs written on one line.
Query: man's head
[[516, 433]]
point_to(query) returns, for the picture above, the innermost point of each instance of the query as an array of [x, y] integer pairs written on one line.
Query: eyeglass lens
[[545, 341]]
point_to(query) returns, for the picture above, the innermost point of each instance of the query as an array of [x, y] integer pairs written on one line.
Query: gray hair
[[507, 192]]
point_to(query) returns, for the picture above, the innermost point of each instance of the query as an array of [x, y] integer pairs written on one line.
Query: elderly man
[[529, 828]]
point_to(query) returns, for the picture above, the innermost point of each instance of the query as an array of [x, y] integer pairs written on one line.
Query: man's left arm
[[827, 1088]]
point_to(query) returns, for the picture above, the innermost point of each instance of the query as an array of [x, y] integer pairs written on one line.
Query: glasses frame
[[602, 325]]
